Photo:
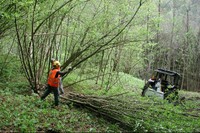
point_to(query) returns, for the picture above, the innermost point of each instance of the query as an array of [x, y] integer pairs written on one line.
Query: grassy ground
[[27, 113], [21, 113], [159, 116]]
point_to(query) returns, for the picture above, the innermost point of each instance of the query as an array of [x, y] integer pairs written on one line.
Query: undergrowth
[[27, 113], [160, 115], [21, 113]]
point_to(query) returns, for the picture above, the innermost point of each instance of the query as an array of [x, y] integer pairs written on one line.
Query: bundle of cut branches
[[112, 107], [131, 114]]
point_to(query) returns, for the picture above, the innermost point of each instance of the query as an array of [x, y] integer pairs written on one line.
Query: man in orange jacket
[[53, 82], [60, 89]]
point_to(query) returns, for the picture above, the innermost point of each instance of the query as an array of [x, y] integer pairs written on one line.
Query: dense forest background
[[112, 48], [100, 38]]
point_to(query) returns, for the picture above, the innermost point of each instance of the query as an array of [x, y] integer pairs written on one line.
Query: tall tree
[[41, 37]]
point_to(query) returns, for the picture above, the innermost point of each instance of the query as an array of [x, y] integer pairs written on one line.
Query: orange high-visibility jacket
[[52, 80]]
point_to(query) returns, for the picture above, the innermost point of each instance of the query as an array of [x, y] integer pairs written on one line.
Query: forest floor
[[168, 117], [27, 113]]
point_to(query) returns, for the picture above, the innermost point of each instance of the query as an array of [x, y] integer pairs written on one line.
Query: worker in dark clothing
[[53, 82], [152, 81]]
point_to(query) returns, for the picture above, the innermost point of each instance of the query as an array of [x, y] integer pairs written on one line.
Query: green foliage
[[12, 76], [161, 116], [29, 114], [158, 115], [91, 24], [88, 85], [7, 68]]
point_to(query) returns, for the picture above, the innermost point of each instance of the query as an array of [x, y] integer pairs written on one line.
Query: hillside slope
[[23, 113]]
